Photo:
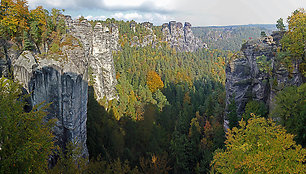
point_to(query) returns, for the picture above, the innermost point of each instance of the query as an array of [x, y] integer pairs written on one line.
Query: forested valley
[[170, 106]]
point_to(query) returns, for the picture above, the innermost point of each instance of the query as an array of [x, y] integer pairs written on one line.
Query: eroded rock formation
[[181, 37], [246, 80], [99, 43], [61, 78]]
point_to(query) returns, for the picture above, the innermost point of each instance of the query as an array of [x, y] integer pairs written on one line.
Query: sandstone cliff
[[61, 77], [63, 83], [99, 43], [181, 37], [148, 39], [246, 80]]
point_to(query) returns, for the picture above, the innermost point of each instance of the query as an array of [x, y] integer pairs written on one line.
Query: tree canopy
[[259, 146], [26, 140]]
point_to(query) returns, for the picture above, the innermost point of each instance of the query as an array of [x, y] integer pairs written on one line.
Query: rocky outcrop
[[8, 53], [247, 80], [61, 78], [181, 37], [63, 83], [149, 38], [99, 43]]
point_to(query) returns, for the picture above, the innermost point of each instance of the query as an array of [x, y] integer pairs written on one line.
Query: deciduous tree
[[26, 140], [260, 146]]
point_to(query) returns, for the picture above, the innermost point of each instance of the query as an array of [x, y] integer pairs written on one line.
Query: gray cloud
[[198, 12], [146, 6]]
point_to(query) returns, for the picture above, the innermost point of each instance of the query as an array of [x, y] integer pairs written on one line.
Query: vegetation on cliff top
[[169, 116]]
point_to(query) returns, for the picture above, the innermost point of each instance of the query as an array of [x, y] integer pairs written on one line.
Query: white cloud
[[152, 17], [95, 17], [135, 16], [131, 3]]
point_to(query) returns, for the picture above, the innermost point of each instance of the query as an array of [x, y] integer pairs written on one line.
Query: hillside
[[231, 37]]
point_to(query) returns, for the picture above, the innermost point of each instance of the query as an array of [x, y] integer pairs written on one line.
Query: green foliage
[[55, 48], [264, 64], [290, 108], [294, 39], [70, 161], [256, 107], [27, 45], [113, 167], [232, 114], [280, 24], [30, 29], [230, 37], [259, 147], [263, 34], [141, 124], [26, 138]]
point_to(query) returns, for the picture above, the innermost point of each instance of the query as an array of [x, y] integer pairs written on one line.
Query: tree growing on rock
[[294, 39]]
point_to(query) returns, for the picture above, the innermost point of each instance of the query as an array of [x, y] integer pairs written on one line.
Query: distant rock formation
[[149, 39], [245, 81], [181, 38]]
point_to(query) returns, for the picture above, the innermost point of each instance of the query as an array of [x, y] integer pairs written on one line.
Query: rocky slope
[[246, 79], [181, 37]]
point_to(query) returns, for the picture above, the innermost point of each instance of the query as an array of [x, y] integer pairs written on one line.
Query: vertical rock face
[[181, 38], [8, 53], [99, 43], [63, 84], [245, 80], [104, 42], [62, 78]]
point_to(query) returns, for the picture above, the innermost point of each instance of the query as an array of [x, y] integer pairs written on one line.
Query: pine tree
[[232, 114]]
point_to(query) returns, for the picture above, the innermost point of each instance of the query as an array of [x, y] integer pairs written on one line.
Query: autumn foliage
[[154, 81], [260, 146], [13, 17]]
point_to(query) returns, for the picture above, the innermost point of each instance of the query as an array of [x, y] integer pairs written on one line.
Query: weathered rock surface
[[245, 80], [181, 37], [63, 83], [62, 78], [148, 39], [99, 43], [8, 53]]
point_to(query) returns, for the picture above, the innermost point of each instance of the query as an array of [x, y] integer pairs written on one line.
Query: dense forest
[[169, 115], [165, 100]]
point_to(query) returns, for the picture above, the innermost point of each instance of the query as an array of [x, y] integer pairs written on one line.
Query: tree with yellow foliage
[[154, 81], [14, 16], [259, 146], [294, 41]]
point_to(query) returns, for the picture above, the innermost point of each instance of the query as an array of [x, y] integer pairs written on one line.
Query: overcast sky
[[197, 12]]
